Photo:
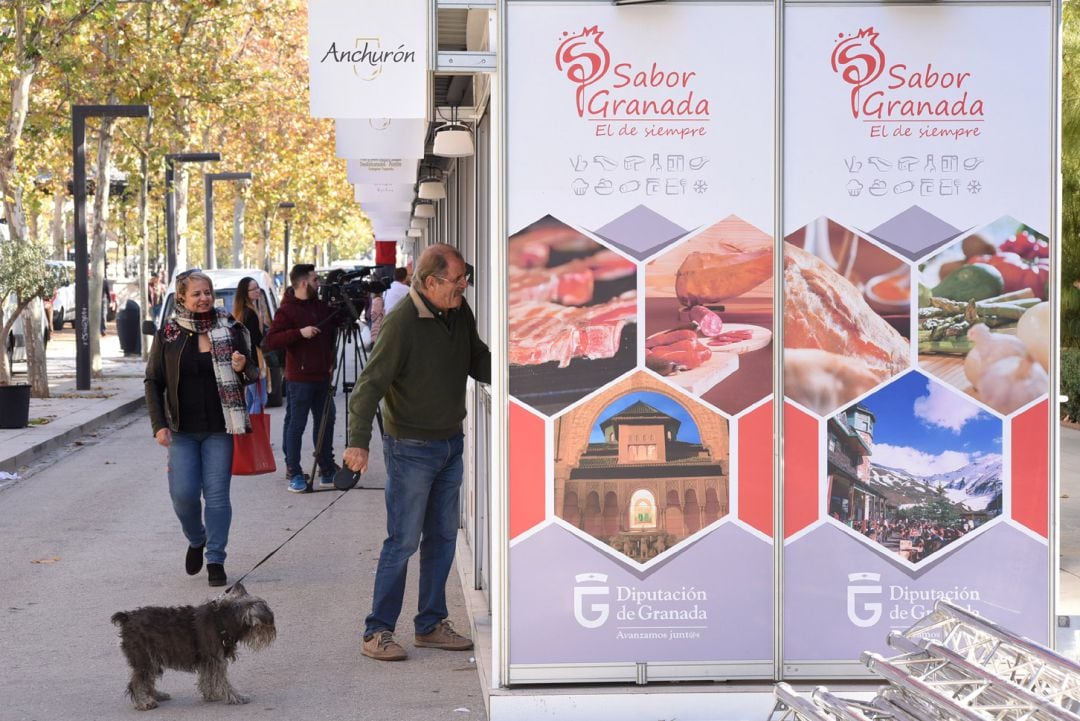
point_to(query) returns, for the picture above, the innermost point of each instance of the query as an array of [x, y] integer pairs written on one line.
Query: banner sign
[[382, 171], [640, 192], [380, 138], [383, 193], [917, 221], [368, 59]]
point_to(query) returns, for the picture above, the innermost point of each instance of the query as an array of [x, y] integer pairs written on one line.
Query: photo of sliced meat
[[671, 336], [563, 285], [824, 310], [572, 314], [686, 355], [546, 332], [709, 323]]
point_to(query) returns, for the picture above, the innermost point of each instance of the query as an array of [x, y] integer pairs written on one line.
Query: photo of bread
[[847, 316], [708, 315]]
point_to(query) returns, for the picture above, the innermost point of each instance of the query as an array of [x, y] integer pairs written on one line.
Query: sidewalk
[[109, 543], [69, 413]]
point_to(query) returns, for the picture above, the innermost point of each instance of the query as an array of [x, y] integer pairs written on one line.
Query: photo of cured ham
[[837, 346], [708, 314], [572, 314]]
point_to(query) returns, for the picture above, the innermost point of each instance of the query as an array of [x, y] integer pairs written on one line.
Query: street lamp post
[[170, 202], [208, 180], [79, 114], [288, 208]]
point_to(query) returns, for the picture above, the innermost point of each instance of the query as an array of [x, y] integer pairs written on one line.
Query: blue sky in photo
[[688, 431], [912, 413]]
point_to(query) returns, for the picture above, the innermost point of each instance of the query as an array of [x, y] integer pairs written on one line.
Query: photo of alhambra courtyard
[[914, 467]]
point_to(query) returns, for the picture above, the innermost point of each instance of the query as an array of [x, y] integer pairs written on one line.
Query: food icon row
[[574, 314], [975, 307]]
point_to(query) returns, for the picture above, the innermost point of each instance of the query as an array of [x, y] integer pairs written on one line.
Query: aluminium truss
[[953, 666], [1002, 653]]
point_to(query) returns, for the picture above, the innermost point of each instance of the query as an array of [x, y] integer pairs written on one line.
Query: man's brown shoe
[[381, 646], [445, 637]]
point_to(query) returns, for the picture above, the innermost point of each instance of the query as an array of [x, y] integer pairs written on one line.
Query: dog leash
[[282, 545]]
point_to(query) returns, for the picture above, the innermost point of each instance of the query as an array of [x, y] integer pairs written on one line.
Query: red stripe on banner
[[1031, 468], [756, 468], [527, 465], [800, 470]]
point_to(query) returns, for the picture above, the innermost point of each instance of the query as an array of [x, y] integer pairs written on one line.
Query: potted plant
[[24, 278]]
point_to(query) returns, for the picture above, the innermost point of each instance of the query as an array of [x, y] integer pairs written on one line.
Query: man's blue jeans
[[200, 464], [303, 399], [422, 483]]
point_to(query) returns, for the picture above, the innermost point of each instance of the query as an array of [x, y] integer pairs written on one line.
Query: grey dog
[[201, 639]]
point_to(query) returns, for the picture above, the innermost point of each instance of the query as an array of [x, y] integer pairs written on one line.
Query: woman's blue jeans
[[200, 469], [422, 483]]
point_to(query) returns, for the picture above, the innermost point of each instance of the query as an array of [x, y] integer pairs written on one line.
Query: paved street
[[89, 530]]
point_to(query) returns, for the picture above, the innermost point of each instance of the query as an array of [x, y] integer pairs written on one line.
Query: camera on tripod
[[342, 288]]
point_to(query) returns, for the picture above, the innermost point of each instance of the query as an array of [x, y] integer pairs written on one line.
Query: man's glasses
[[466, 278]]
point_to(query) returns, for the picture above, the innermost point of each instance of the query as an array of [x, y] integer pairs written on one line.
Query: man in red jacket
[[303, 327]]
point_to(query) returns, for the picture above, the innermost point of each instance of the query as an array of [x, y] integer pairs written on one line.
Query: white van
[[225, 281]]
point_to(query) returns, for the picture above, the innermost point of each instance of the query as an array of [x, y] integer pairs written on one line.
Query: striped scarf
[[217, 325]]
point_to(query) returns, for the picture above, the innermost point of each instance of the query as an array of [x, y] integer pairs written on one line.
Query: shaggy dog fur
[[201, 639]]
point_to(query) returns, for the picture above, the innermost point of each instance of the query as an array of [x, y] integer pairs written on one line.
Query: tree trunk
[[239, 206], [100, 237], [59, 227], [263, 260], [36, 365], [144, 231], [9, 187], [180, 185]]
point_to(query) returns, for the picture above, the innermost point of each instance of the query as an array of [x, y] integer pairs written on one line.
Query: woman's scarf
[[217, 325]]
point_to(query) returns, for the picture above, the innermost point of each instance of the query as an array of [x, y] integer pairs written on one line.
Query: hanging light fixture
[[431, 186], [417, 224], [454, 139], [414, 232], [424, 209]]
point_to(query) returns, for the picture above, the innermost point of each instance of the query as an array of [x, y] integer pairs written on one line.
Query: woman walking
[[199, 363], [249, 307]]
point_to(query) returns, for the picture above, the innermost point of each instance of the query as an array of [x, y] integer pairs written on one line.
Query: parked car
[[63, 302], [15, 345], [225, 281]]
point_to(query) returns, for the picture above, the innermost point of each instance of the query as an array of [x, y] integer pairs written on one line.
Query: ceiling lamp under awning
[[424, 209], [431, 186], [454, 139]]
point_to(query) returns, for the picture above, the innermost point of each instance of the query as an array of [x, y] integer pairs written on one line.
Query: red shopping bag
[[252, 454]]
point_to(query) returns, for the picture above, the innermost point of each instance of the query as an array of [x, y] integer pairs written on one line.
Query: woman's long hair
[[242, 301]]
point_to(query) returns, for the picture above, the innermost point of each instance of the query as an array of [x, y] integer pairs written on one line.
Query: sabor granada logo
[[623, 91], [883, 92]]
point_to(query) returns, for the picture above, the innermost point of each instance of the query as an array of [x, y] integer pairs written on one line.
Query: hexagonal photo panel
[[708, 315], [641, 468], [847, 315], [572, 311], [914, 467], [984, 323]]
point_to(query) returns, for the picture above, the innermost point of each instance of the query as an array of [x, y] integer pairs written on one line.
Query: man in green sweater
[[428, 346]]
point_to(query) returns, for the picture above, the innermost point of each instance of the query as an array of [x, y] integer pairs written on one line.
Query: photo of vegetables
[[572, 311], [708, 315], [847, 315], [984, 323], [914, 467]]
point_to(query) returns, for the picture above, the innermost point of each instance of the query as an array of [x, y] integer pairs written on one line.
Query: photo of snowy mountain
[[914, 467]]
